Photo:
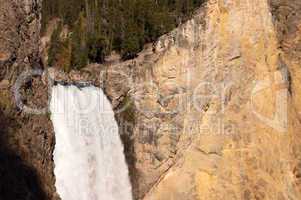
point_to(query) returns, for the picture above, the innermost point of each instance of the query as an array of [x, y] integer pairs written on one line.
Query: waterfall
[[88, 156]]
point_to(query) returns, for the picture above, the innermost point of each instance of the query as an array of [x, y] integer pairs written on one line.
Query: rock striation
[[216, 105], [210, 111]]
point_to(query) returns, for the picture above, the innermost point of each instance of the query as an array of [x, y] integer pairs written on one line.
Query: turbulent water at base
[[88, 155]]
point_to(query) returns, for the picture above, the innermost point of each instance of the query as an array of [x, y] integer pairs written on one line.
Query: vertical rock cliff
[[212, 109], [216, 105], [26, 141]]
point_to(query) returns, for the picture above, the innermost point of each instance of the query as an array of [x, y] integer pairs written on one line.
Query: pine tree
[[79, 54], [55, 45], [101, 26], [131, 42]]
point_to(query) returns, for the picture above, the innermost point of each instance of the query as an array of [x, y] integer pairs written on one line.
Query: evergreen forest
[[98, 27]]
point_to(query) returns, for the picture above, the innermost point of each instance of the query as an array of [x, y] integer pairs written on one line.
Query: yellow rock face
[[220, 79]]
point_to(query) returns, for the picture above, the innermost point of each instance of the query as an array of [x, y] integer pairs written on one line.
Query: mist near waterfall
[[88, 156]]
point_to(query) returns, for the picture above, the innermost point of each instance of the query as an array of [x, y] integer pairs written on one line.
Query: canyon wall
[[217, 112], [26, 140], [212, 110]]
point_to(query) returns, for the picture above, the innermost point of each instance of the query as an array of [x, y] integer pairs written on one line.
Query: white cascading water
[[88, 156]]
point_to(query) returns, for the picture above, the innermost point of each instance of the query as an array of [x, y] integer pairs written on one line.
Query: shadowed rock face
[[26, 140], [18, 180], [287, 20], [214, 106]]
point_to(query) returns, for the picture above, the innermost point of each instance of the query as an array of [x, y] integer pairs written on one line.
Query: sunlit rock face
[[216, 109]]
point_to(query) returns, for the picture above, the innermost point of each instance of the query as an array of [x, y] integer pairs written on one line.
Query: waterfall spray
[[88, 155]]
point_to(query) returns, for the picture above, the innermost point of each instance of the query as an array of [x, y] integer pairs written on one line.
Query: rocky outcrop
[[211, 111]]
